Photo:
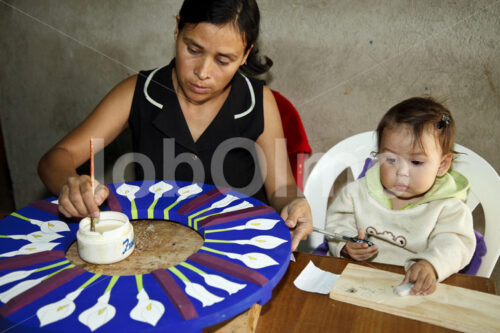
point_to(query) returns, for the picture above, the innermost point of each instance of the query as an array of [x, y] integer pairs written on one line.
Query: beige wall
[[342, 63]]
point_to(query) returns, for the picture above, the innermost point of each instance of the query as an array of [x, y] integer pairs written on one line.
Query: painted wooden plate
[[246, 252]]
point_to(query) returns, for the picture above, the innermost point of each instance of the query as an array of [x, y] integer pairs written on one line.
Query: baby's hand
[[423, 275], [359, 251]]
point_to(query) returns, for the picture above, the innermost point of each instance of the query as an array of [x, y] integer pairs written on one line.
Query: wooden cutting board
[[452, 307]]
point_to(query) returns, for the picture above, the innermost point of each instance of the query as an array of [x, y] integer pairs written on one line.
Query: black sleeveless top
[[224, 155]]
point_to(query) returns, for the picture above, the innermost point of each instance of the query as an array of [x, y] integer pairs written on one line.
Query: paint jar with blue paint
[[112, 240]]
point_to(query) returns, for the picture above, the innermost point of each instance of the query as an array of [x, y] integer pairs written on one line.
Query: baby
[[409, 204]]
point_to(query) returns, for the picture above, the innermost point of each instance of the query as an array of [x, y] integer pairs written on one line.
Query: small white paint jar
[[112, 240]]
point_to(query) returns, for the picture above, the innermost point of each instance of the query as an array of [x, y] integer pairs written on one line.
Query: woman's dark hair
[[420, 114], [243, 14]]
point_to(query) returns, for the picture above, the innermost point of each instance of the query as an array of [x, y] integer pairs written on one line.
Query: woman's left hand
[[298, 217]]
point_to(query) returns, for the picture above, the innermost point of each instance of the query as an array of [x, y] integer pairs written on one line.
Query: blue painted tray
[[246, 252]]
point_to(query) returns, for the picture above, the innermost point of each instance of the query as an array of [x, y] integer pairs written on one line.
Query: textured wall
[[342, 63]]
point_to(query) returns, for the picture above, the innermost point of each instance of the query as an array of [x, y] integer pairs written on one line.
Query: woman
[[209, 108]]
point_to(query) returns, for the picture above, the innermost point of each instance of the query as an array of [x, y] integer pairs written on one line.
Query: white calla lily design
[[258, 224], [158, 189], [255, 224], [63, 308], [199, 292], [216, 281], [35, 237], [218, 204], [187, 191], [19, 275], [240, 206], [262, 241], [253, 260], [15, 276], [19, 288], [102, 312], [51, 226], [25, 285], [184, 193], [47, 227], [146, 310], [224, 202], [129, 191], [196, 290], [56, 311], [30, 248]]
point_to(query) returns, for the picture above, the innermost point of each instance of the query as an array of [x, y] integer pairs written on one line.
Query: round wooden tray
[[243, 252]]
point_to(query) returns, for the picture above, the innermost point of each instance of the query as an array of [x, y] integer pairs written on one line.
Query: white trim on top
[[252, 95], [148, 80]]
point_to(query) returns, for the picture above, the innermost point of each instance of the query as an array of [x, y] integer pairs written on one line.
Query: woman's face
[[207, 57]]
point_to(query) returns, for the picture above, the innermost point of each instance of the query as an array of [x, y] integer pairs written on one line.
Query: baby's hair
[[421, 113]]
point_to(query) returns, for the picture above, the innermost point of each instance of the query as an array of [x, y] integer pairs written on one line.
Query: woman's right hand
[[77, 198], [359, 251]]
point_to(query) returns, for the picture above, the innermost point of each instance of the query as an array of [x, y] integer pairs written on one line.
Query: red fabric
[[297, 144], [295, 134]]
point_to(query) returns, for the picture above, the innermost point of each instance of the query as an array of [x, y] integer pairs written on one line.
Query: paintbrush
[[92, 180], [342, 237]]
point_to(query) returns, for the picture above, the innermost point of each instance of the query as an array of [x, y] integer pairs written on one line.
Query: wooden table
[[294, 310]]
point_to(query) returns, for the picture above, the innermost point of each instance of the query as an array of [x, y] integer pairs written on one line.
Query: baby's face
[[407, 170]]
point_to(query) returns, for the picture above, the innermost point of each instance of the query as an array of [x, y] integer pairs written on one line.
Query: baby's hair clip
[[445, 121]]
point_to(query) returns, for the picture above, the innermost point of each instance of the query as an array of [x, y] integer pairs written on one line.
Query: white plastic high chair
[[352, 152]]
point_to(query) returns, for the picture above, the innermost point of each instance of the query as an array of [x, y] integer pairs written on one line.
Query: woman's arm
[[57, 168], [280, 186]]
